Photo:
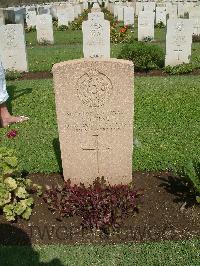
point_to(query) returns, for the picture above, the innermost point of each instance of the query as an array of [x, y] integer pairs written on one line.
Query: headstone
[[94, 104], [178, 41], [149, 6], [13, 48], [44, 29], [31, 19], [96, 16], [145, 25], [2, 18], [19, 19], [139, 8], [129, 16], [62, 17], [96, 8], [120, 12], [85, 5], [196, 25], [96, 38], [161, 15], [71, 14], [44, 10]]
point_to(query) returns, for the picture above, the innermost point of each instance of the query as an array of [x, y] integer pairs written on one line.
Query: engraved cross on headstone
[[178, 50], [97, 148]]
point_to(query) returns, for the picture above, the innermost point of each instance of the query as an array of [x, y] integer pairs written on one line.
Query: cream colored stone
[[44, 27], [13, 47], [94, 104]]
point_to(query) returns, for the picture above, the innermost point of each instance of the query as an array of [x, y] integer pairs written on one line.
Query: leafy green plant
[[77, 23], [62, 28], [179, 69], [146, 56], [30, 29], [191, 175], [100, 205], [195, 38], [160, 25], [13, 74], [120, 35], [15, 191], [55, 22], [147, 39]]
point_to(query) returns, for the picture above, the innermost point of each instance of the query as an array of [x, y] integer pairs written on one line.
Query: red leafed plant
[[101, 206], [11, 134]]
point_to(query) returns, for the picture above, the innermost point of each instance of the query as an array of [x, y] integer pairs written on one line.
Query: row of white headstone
[[12, 39], [96, 38], [57, 10], [125, 12], [179, 30]]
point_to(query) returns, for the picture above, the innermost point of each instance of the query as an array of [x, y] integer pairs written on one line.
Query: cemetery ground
[[164, 231], [68, 46], [159, 146]]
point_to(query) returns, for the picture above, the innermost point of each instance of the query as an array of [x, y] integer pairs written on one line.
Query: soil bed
[[163, 216], [153, 73]]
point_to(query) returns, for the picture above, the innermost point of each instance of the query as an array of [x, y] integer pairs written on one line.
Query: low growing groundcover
[[166, 127]]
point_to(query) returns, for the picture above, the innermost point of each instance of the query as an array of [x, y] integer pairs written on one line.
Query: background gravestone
[[62, 17], [96, 37], [94, 103], [178, 41], [128, 15], [31, 18], [44, 29], [145, 25], [13, 48]]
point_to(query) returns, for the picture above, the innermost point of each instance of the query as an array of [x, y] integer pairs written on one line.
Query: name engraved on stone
[[95, 121]]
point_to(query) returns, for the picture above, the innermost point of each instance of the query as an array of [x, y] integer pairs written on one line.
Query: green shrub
[[160, 25], [30, 29], [15, 191], [119, 35], [179, 69], [191, 175], [145, 56], [55, 22], [195, 38], [62, 28], [77, 23], [13, 74], [147, 39]]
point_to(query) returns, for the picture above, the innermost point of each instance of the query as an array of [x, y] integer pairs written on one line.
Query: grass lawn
[[166, 133], [152, 254]]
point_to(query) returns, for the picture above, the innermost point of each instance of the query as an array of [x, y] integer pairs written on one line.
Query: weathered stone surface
[[31, 19], [145, 25], [128, 15], [178, 41], [44, 29], [13, 48], [94, 104], [96, 38], [63, 18], [161, 15]]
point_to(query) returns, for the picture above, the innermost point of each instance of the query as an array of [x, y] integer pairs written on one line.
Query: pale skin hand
[[7, 119]]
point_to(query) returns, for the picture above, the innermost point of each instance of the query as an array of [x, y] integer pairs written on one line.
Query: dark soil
[[169, 212], [36, 75], [153, 73]]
